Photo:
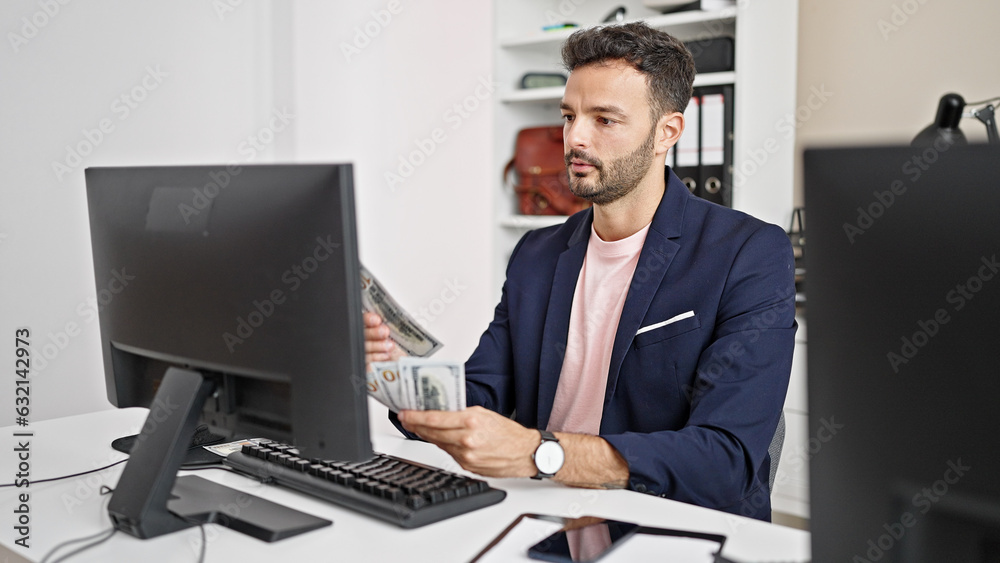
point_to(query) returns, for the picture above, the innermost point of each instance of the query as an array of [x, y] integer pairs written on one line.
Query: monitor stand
[[196, 455], [150, 500]]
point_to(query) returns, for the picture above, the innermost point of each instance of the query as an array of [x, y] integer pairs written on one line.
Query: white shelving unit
[[764, 79], [764, 82], [555, 93]]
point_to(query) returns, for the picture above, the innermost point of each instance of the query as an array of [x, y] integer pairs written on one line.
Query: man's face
[[608, 134]]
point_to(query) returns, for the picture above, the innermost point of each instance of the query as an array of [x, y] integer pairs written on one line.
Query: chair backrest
[[774, 450]]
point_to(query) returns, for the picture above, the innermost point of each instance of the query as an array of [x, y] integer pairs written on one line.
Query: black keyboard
[[395, 490]]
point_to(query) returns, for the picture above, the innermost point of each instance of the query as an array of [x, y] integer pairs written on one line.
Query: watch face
[[549, 457]]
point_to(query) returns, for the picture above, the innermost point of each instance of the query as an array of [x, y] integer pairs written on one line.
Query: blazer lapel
[[657, 252], [556, 329]]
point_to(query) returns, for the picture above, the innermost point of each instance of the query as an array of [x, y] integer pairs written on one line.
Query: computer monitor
[[903, 313], [229, 295]]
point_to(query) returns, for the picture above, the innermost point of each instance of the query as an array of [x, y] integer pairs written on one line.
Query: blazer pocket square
[[664, 330], [669, 321]]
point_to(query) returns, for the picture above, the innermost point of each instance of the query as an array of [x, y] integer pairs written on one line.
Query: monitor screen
[[247, 274], [903, 285], [246, 279]]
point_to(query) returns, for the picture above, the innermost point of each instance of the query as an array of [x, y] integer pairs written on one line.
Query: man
[[648, 338]]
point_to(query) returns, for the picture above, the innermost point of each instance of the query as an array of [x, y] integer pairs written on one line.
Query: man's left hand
[[479, 439]]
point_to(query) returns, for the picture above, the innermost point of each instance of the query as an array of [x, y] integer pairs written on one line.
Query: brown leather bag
[[542, 182]]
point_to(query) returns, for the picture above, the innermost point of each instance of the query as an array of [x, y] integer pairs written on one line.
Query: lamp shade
[[945, 126]]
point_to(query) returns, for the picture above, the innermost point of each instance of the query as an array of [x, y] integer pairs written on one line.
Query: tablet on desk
[[644, 543]]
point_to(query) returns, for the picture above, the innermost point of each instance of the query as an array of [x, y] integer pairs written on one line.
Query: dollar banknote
[[418, 384], [403, 329], [383, 384]]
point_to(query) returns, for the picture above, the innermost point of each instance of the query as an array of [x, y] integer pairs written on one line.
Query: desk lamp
[[951, 109]]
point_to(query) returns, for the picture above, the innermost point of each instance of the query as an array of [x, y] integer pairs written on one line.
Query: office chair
[[774, 450]]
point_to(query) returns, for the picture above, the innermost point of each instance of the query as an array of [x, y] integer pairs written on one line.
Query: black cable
[[104, 490], [68, 476], [110, 532], [204, 543], [201, 527], [206, 467], [184, 468], [107, 535]]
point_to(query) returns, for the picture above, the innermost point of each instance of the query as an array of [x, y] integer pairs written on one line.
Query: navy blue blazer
[[701, 358]]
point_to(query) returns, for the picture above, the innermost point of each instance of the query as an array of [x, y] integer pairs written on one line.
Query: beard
[[615, 179]]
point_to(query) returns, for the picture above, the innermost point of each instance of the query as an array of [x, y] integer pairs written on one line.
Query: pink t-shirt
[[597, 307]]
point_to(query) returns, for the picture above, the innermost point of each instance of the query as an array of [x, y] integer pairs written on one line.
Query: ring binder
[[703, 157]]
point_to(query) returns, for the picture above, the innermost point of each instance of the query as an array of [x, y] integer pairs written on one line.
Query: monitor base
[[150, 501]]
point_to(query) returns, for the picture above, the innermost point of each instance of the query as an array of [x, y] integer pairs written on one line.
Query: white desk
[[72, 508]]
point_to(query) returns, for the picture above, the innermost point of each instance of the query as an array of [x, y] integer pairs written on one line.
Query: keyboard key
[[415, 501]]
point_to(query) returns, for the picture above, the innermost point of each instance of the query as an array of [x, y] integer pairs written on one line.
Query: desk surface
[[72, 508]]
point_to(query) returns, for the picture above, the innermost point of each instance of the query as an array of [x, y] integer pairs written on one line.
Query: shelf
[[681, 24], [528, 222], [555, 93], [715, 78], [693, 19], [551, 94]]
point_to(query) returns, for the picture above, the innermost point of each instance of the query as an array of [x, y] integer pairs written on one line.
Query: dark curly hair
[[665, 61]]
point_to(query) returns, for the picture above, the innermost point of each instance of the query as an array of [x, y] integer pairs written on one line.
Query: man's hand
[[378, 346], [480, 440], [493, 445]]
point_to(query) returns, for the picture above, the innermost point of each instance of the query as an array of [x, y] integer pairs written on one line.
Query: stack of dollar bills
[[413, 382], [403, 329], [418, 384]]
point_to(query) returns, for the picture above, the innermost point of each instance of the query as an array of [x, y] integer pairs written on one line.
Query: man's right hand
[[378, 346]]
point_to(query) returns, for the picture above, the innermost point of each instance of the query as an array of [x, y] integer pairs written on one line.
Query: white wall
[[217, 76], [199, 87], [373, 93], [872, 71]]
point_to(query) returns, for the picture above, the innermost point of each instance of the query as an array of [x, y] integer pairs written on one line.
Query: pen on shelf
[[559, 26]]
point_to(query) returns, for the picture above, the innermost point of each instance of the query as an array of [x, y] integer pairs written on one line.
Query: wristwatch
[[548, 457]]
